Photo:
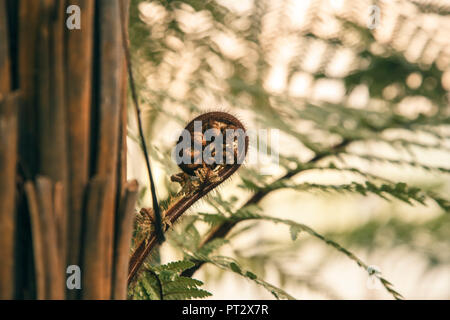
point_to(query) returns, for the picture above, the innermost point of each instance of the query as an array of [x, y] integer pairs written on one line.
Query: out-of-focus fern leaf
[[184, 67], [252, 213], [230, 264]]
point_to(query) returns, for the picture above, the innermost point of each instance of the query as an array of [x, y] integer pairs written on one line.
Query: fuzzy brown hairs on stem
[[198, 178]]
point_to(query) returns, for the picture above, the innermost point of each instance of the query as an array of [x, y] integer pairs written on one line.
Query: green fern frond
[[187, 294], [228, 263], [177, 266], [212, 246], [252, 213], [400, 190], [163, 282], [373, 158], [182, 282]]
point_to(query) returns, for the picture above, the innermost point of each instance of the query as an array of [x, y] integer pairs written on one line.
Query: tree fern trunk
[[64, 199]]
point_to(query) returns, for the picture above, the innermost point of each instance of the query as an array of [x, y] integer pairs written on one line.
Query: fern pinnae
[[296, 227], [163, 282], [398, 190], [230, 264], [374, 158]]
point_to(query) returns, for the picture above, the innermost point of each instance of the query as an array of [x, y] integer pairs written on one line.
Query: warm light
[[414, 80], [446, 80]]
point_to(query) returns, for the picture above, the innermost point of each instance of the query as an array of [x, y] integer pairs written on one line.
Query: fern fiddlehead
[[207, 166]]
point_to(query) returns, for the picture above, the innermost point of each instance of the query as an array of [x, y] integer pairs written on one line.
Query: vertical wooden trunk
[[64, 198]]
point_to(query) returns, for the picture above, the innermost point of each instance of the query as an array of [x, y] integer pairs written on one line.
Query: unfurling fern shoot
[[210, 149]]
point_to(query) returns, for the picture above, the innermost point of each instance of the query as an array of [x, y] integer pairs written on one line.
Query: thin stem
[[156, 209]]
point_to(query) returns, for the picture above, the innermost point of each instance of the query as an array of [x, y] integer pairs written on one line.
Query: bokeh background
[[372, 74]]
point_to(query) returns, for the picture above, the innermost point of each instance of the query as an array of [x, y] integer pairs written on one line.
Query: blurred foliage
[[164, 282], [196, 55]]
